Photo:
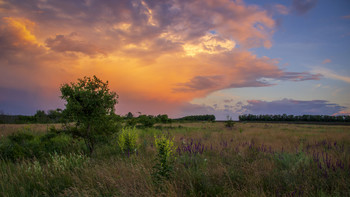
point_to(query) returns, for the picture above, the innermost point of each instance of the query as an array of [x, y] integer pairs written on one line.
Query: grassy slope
[[252, 159]]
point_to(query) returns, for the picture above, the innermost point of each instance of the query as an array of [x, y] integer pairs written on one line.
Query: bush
[[229, 123], [127, 140], [61, 143], [163, 168], [25, 145], [67, 162], [131, 122], [146, 121], [20, 145], [22, 136]]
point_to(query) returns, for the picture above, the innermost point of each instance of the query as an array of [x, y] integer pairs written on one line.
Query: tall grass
[[211, 160]]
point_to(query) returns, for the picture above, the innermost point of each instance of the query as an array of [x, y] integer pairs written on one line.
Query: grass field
[[250, 159]]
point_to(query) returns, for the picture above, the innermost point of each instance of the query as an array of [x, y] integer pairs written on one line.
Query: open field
[[7, 129], [250, 159]]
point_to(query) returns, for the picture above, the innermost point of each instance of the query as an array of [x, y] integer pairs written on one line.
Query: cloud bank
[[153, 53], [290, 106]]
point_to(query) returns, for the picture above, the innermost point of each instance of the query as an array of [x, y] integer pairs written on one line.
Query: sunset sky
[[179, 57]]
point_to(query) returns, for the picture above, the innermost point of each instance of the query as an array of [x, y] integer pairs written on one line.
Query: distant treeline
[[285, 117], [197, 118], [56, 116], [52, 116], [149, 120]]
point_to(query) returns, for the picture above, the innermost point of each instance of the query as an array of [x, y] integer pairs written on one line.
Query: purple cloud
[[290, 106], [62, 43], [199, 83], [303, 6], [284, 106], [300, 76]]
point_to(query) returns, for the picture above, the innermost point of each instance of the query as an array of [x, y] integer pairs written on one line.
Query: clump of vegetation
[[127, 140], [164, 166], [229, 123], [70, 161], [197, 118], [26, 145], [146, 121], [52, 116]]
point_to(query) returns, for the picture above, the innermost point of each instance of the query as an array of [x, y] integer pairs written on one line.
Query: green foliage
[[127, 140], [288, 161], [129, 115], [163, 119], [55, 115], [61, 143], [131, 122], [229, 123], [146, 121], [165, 158], [198, 118], [22, 136], [24, 144], [230, 165], [90, 104], [67, 162], [52, 116], [41, 116]]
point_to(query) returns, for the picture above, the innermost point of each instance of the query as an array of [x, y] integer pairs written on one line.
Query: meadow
[[206, 159]]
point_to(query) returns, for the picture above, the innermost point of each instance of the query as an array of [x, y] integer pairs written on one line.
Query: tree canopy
[[90, 103]]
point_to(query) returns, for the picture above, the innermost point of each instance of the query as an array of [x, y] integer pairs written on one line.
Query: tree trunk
[[89, 141]]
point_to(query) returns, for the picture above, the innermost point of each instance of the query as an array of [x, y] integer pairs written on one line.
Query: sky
[[179, 57]]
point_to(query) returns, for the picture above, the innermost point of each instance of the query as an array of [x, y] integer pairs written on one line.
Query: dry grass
[[222, 171], [7, 129], [274, 135]]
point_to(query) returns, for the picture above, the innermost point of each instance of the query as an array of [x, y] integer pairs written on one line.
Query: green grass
[[262, 160]]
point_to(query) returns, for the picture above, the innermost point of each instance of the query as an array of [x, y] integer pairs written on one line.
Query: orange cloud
[[166, 52], [22, 29], [342, 113]]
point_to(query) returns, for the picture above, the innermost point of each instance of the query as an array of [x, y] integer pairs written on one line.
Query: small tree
[[229, 123], [146, 121], [41, 117], [165, 158], [90, 105], [129, 115]]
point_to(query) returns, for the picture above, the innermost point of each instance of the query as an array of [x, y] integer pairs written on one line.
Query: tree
[[55, 115], [146, 121], [90, 104], [229, 123], [163, 118], [41, 117], [129, 115]]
